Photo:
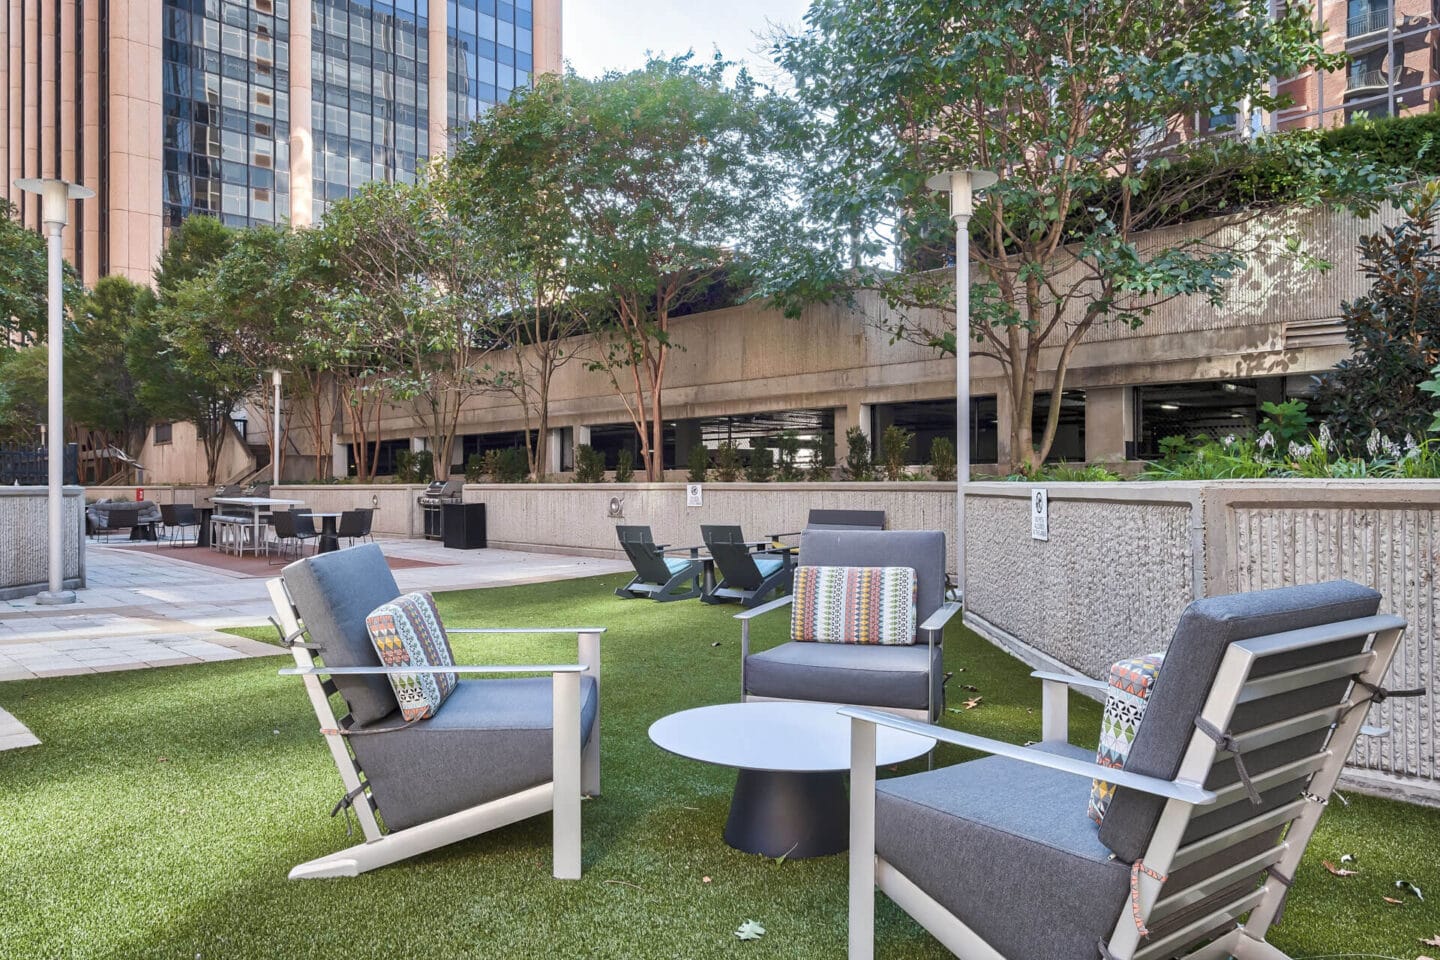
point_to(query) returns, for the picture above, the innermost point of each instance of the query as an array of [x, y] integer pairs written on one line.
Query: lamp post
[[54, 195], [962, 185], [275, 417]]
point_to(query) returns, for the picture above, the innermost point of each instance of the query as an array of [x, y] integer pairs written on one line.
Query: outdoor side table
[[329, 539], [792, 759]]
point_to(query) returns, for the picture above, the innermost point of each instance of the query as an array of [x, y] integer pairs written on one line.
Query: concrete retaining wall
[[24, 548]]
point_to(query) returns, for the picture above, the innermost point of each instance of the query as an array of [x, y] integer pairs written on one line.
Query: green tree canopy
[[101, 392], [1082, 107]]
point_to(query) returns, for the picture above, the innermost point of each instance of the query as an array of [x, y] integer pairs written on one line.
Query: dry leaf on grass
[[1432, 942], [1392, 900], [750, 930], [973, 702], [1338, 871]]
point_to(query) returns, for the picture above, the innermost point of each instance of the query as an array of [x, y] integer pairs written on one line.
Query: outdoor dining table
[[329, 538], [256, 505]]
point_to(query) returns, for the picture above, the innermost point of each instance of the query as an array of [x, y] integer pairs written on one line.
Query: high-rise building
[[253, 111]]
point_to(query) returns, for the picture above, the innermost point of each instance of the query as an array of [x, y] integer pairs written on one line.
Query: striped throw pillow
[[407, 632], [873, 605], [1131, 682]]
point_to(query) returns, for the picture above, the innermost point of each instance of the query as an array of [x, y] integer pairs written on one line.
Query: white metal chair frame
[[1183, 795], [576, 770], [933, 630]]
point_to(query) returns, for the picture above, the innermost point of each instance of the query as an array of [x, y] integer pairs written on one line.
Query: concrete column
[[582, 438], [6, 149], [1109, 423], [547, 33], [439, 79], [554, 440], [1004, 416], [49, 91], [90, 174], [31, 92], [339, 462], [302, 142], [417, 444]]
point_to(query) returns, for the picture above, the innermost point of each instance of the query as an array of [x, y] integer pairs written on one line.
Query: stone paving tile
[[14, 734]]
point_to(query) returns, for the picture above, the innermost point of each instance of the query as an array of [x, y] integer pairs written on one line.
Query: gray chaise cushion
[[1007, 848], [1206, 629], [492, 738], [870, 675], [334, 593], [921, 550]]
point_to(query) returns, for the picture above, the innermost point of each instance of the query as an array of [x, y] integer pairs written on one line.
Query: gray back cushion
[[1206, 629], [922, 550], [334, 593]]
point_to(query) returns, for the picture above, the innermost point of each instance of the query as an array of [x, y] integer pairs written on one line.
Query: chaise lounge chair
[[497, 751], [657, 576], [1250, 717]]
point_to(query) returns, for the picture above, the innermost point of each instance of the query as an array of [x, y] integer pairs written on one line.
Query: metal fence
[[29, 466]]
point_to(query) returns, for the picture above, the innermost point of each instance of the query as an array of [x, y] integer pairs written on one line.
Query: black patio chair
[[177, 517], [656, 575], [354, 525], [292, 529], [746, 571]]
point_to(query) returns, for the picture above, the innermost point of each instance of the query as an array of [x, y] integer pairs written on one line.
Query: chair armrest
[[754, 612], [1183, 790], [937, 620], [1071, 680], [456, 668], [792, 533]]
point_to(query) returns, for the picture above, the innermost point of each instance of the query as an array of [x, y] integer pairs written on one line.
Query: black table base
[[791, 815]]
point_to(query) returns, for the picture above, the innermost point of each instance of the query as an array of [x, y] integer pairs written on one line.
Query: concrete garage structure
[[747, 371]]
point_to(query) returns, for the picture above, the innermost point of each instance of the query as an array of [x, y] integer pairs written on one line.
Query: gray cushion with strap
[[1205, 631], [871, 675], [491, 738], [334, 593], [1007, 848]]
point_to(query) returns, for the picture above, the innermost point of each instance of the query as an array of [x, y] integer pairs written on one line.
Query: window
[[162, 432]]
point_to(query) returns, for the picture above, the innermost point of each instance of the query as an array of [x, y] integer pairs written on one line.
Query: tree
[[510, 187], [1083, 108], [24, 282], [672, 173], [1394, 332], [24, 402], [102, 394]]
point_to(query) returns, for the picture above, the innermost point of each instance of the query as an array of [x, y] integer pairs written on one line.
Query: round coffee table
[[789, 795]]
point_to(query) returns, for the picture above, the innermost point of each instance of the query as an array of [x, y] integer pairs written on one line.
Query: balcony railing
[[1373, 21], [1366, 79]]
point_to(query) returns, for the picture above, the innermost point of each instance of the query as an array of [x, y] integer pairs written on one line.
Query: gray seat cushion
[[492, 738], [1007, 848], [1204, 633], [334, 593], [865, 674]]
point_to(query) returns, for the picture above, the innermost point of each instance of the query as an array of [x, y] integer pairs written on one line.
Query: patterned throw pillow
[[854, 605], [407, 632], [1130, 684]]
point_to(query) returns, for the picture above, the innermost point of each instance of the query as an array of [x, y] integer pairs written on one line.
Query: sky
[[603, 35]]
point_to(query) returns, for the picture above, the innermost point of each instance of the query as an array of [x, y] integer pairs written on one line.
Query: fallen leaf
[[750, 930], [1392, 900], [969, 688], [973, 702], [1338, 871], [1432, 942], [715, 644], [704, 879], [1409, 887]]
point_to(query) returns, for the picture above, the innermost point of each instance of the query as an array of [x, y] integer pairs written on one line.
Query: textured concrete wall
[[1121, 563], [24, 554]]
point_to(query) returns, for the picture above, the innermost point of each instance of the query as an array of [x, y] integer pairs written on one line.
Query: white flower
[[1326, 443], [1411, 447], [1266, 441], [1229, 440], [1372, 445], [1300, 451], [1391, 448]]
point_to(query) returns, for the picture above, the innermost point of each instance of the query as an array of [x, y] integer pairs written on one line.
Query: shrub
[[895, 444], [761, 467], [699, 463], [624, 466], [509, 465], [728, 465], [822, 467], [1287, 422], [589, 464], [474, 468], [857, 457], [942, 459], [787, 446], [414, 466], [1432, 387]]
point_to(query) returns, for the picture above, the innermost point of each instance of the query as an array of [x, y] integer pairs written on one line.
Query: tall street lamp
[[275, 416], [962, 185], [54, 195]]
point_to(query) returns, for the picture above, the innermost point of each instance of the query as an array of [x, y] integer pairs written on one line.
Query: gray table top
[[777, 736]]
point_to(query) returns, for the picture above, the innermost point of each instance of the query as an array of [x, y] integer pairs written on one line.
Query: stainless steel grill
[[439, 493]]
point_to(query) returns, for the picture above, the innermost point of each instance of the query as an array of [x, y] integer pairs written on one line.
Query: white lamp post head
[[962, 185], [275, 377], [54, 195]]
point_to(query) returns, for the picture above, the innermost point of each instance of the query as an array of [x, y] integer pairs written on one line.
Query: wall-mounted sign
[[692, 495], [1039, 514]]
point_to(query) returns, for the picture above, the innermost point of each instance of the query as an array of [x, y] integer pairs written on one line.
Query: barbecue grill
[[439, 493]]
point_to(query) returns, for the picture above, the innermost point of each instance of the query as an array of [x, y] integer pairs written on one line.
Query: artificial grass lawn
[[164, 807]]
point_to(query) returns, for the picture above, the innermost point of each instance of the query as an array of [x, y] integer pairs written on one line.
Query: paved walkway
[[146, 609]]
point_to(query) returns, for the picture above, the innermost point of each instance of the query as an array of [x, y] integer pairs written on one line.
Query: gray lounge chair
[[497, 751], [657, 576], [1254, 710], [747, 571], [908, 680]]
